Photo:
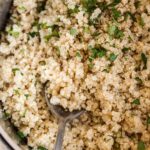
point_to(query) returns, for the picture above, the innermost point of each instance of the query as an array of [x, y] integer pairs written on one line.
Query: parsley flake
[[14, 70], [21, 135], [116, 14], [144, 60], [136, 101], [89, 5], [137, 4], [148, 120], [115, 32], [114, 3], [41, 148], [113, 57], [125, 49], [141, 146], [73, 31]]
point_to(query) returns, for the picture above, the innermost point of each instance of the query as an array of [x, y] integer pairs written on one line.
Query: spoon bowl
[[63, 116]]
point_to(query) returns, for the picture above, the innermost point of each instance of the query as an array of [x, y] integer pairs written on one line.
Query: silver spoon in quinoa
[[63, 116]]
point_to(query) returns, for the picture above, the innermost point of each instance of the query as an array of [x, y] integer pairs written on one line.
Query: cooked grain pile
[[96, 55]]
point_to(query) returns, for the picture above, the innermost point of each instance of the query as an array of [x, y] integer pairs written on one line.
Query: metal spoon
[[4, 10], [63, 117]]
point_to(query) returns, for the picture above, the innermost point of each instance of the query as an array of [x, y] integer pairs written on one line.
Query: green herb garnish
[[114, 3], [136, 101], [129, 14], [73, 31], [139, 81], [78, 54], [102, 52], [33, 34], [73, 11], [13, 33], [113, 57], [6, 115], [41, 6], [89, 5], [27, 96], [97, 52], [44, 25], [55, 33], [21, 135], [41, 148], [22, 8], [14, 70], [125, 49], [141, 22], [116, 14], [86, 29], [16, 91], [42, 63], [148, 120], [115, 32], [137, 4], [141, 146], [144, 60]]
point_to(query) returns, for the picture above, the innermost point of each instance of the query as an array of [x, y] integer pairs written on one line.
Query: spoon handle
[[60, 135], [4, 9]]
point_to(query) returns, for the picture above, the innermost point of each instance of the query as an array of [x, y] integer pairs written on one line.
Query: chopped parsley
[[73, 11], [89, 5], [41, 148], [16, 91], [24, 113], [114, 3], [125, 49], [129, 14], [33, 34], [97, 52], [91, 65], [141, 146], [139, 81], [102, 5], [6, 115], [42, 63], [86, 29], [144, 60], [113, 57], [27, 96], [107, 69], [21, 135], [137, 4], [116, 14], [115, 32], [148, 120], [13, 33], [136, 101], [141, 22], [41, 6], [73, 31], [54, 33], [102, 52], [44, 25], [14, 70], [22, 8], [57, 51], [78, 54]]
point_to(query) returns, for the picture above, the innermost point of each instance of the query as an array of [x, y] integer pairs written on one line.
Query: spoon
[[63, 116], [4, 11]]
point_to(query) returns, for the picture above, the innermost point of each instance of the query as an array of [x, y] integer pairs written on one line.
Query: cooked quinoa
[[95, 55]]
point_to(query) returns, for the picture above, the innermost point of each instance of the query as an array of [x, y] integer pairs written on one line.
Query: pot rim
[[8, 139]]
